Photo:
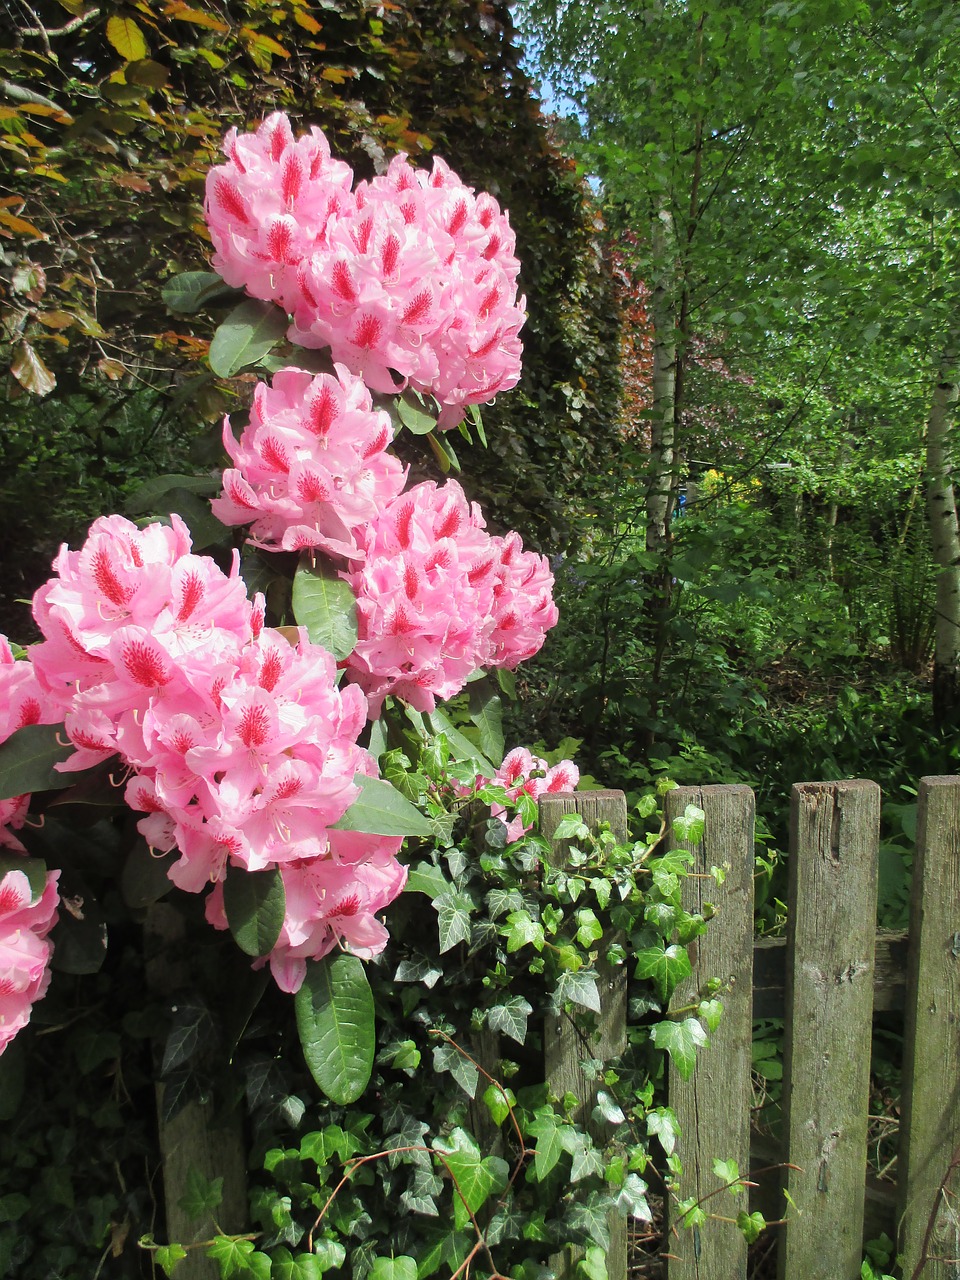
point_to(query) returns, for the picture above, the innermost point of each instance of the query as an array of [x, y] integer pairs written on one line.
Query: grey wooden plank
[[831, 931], [930, 1115], [563, 1038], [713, 1106], [889, 974]]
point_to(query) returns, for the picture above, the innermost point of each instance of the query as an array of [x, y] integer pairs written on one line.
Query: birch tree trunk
[[945, 532], [663, 314]]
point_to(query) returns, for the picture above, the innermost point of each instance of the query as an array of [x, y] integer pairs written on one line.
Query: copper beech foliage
[[111, 115]]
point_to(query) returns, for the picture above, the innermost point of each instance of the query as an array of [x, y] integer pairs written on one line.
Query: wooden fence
[[826, 978]]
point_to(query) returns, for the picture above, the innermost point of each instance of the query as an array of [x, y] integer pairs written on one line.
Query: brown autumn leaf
[[111, 369], [30, 371]]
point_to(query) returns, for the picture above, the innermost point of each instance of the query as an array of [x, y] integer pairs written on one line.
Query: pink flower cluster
[[243, 749], [311, 466], [23, 701], [410, 279], [438, 598], [525, 774], [24, 949]]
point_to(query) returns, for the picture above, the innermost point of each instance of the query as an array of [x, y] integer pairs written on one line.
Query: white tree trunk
[[945, 531], [663, 314]]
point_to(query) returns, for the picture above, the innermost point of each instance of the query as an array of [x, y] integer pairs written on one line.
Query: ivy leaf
[[238, 1258], [255, 904], [419, 970], [593, 1265], [475, 1178], [521, 929], [305, 1266], [711, 1011], [168, 1255], [589, 1216], [632, 1198], [689, 826], [510, 1016], [453, 918], [498, 1102], [401, 1268], [608, 1108], [546, 1127], [751, 1224], [460, 745], [681, 1040], [580, 988], [326, 606], [27, 759], [247, 334], [662, 1124], [202, 1195], [447, 1058], [335, 1019], [380, 810], [664, 966]]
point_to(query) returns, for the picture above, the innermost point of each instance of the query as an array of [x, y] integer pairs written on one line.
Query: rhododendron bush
[[241, 724]]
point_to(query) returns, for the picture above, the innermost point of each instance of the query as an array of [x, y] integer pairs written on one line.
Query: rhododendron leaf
[[459, 743], [247, 334], [150, 496], [335, 1019], [325, 605], [190, 290], [444, 453], [33, 868], [486, 714], [143, 880], [380, 810], [255, 902], [80, 934], [27, 759], [415, 414]]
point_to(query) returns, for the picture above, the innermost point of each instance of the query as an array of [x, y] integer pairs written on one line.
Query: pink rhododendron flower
[[438, 598], [523, 773], [23, 701], [24, 949], [311, 465], [241, 748], [410, 279]]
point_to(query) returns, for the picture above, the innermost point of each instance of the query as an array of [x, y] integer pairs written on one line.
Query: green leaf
[[486, 712], [335, 1019], [460, 745], [546, 1127], [239, 1258], [662, 1123], [424, 877], [664, 966], [247, 334], [33, 868], [453, 918], [190, 290], [689, 827], [498, 1102], [305, 1266], [402, 1268], [728, 1171], [579, 987], [255, 903], [202, 1195], [448, 1058], [27, 759], [591, 1216], [127, 38], [326, 606], [510, 1017], [681, 1040], [593, 1265], [147, 496], [380, 810], [168, 1255], [144, 880], [415, 414], [711, 1011], [751, 1224], [475, 1178]]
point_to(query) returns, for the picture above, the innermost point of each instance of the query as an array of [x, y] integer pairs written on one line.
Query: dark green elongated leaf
[[255, 903], [144, 879], [486, 712], [459, 744], [191, 290], [247, 334], [27, 759], [424, 877], [444, 453], [325, 605], [33, 868], [380, 810], [335, 1019], [415, 414], [146, 497]]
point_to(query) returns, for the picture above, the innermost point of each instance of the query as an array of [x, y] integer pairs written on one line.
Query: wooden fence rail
[[827, 979]]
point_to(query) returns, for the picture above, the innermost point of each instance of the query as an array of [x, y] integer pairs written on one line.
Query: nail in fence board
[[713, 1106], [930, 1122], [834, 835], [563, 1044]]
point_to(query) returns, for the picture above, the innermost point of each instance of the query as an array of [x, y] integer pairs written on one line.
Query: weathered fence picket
[[720, 1086], [930, 1113]]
